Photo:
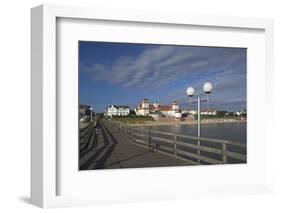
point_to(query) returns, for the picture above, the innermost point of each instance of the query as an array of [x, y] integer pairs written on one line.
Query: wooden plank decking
[[107, 148]]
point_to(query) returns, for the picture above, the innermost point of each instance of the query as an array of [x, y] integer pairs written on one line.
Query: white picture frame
[[44, 149]]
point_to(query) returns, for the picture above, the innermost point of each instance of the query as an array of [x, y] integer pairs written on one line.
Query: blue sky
[[124, 74]]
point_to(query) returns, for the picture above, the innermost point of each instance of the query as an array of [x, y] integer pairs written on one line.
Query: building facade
[[209, 112], [114, 110], [157, 110], [143, 108], [203, 112], [189, 111]]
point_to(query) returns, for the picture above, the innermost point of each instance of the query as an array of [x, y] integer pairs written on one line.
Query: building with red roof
[[155, 109]]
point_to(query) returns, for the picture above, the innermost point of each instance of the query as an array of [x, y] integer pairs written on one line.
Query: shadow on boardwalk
[[107, 148]]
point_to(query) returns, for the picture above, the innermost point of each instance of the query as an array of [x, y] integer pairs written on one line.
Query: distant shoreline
[[206, 121]]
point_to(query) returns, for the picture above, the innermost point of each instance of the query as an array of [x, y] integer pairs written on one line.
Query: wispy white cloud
[[162, 66]]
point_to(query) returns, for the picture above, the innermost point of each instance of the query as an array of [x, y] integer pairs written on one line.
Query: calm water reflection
[[228, 131]]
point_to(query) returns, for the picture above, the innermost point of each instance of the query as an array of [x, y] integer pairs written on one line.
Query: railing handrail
[[212, 140], [223, 151]]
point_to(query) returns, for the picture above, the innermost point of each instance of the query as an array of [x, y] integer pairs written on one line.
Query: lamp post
[[91, 114], [190, 91]]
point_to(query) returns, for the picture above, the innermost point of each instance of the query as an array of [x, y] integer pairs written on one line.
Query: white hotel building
[[114, 110]]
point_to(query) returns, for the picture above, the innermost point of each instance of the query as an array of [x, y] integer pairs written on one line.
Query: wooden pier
[[106, 144], [105, 147]]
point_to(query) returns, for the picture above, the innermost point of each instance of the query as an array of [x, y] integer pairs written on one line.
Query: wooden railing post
[[224, 156], [175, 145], [147, 138]]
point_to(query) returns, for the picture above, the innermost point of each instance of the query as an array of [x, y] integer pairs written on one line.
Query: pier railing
[[210, 151], [85, 133]]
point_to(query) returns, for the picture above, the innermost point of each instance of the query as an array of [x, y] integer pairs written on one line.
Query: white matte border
[[47, 52], [104, 183]]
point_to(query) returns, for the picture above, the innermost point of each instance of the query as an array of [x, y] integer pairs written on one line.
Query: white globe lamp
[[208, 87], [190, 91]]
